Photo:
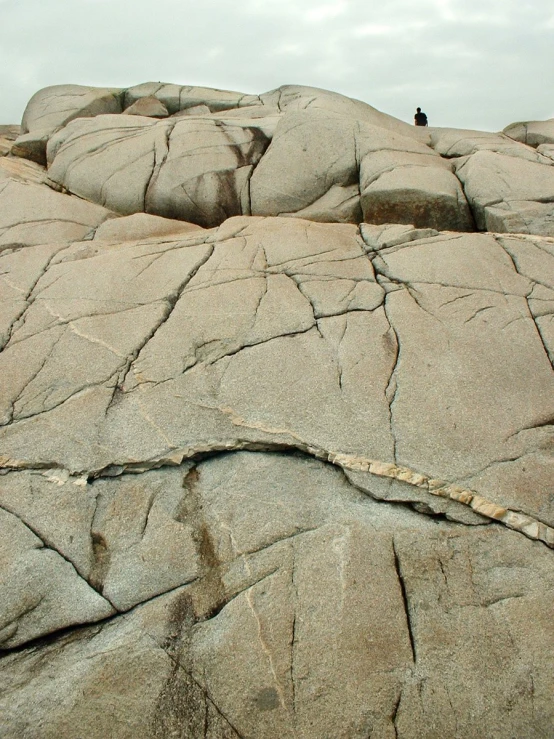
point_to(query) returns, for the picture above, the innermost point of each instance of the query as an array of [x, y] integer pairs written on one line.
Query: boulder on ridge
[[533, 133]]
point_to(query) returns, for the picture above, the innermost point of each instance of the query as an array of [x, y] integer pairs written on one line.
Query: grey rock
[[293, 98], [181, 97], [108, 159], [405, 182], [53, 107], [193, 110], [338, 613], [275, 475], [41, 590], [509, 195], [272, 298], [533, 133], [192, 170], [309, 170], [331, 159], [206, 171], [23, 170], [546, 150], [454, 142]]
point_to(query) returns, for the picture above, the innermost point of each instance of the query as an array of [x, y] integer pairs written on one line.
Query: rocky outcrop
[[294, 151], [8, 135], [272, 467], [533, 133]]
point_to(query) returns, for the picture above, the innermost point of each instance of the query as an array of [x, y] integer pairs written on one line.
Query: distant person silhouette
[[420, 119]]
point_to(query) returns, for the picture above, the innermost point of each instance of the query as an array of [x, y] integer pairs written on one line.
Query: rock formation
[[277, 414]]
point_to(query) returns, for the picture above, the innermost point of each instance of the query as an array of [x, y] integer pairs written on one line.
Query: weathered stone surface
[[454, 142], [533, 133], [181, 97], [141, 226], [309, 170], [279, 297], [276, 475], [8, 135], [317, 612], [22, 170], [295, 151], [509, 195], [323, 167], [148, 106], [194, 110], [125, 146], [73, 684], [292, 98], [53, 107], [41, 590], [31, 146], [546, 150], [194, 170], [404, 184], [205, 175], [31, 214]]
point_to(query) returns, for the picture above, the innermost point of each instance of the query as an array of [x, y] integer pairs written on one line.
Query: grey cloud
[[468, 64]]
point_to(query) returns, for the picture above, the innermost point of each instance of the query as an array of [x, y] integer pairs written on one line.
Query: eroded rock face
[[534, 133], [294, 151], [270, 466]]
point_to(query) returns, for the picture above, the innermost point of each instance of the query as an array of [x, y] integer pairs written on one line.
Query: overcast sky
[[468, 63]]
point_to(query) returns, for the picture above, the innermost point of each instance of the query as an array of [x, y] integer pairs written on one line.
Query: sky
[[479, 64]]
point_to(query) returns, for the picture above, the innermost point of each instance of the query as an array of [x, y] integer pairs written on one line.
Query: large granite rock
[[508, 194], [272, 466], [534, 133], [31, 214], [321, 167], [295, 151]]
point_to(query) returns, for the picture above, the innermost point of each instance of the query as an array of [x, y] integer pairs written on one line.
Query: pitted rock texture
[[271, 467]]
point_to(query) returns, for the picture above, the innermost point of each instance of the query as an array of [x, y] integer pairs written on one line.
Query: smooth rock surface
[[533, 133], [141, 226], [34, 214], [453, 142], [148, 106], [507, 194]]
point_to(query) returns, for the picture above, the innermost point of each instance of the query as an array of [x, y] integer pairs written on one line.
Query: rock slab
[[276, 422]]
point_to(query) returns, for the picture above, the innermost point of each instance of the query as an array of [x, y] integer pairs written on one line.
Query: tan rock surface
[[276, 475], [295, 151], [141, 226], [148, 106], [454, 142], [34, 214], [8, 135], [334, 616], [23, 170], [533, 133]]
